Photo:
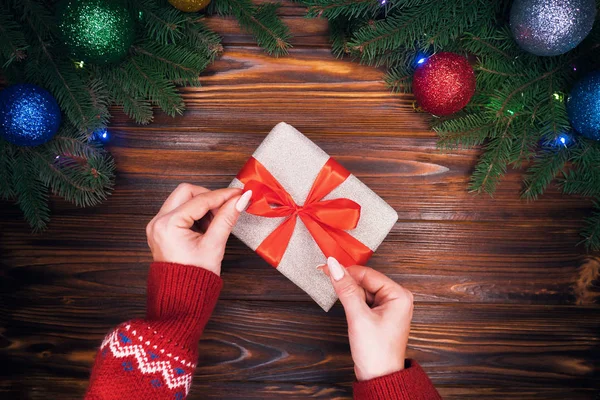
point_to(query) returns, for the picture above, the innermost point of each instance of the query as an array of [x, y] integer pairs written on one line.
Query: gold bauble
[[189, 5]]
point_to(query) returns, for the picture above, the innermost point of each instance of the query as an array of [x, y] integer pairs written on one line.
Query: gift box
[[306, 207]]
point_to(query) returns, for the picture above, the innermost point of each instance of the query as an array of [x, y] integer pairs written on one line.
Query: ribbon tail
[[337, 243], [274, 246]]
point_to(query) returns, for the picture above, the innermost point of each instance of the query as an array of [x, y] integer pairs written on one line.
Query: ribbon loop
[[326, 220]]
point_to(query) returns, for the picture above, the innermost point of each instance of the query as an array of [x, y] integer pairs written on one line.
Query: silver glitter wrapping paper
[[295, 162]]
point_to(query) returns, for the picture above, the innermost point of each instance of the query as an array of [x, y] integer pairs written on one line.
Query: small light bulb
[[421, 61]]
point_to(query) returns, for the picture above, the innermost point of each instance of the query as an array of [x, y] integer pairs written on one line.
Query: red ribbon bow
[[326, 220]]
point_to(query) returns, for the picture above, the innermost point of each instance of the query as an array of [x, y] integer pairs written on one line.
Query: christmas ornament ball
[[551, 27], [189, 5], [96, 31], [583, 106], [29, 115], [444, 83]]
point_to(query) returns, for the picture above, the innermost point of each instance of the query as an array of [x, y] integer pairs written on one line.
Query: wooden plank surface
[[507, 304]]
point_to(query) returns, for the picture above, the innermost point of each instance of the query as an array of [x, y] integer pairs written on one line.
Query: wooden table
[[506, 303]]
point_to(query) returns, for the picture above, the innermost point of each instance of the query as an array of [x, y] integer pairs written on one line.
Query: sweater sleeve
[[411, 383], [154, 358]]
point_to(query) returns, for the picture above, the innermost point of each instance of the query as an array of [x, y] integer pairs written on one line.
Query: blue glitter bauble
[[551, 27], [29, 115], [583, 106]]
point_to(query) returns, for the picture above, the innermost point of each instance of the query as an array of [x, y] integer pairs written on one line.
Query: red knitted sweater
[[155, 357]]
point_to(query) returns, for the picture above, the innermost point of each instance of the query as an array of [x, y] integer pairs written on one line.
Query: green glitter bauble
[[96, 31]]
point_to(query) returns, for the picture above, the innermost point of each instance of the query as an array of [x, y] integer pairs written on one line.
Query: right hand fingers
[[351, 295], [380, 287]]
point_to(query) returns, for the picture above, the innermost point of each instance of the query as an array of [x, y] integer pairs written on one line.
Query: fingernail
[[335, 269], [242, 203], [320, 267]]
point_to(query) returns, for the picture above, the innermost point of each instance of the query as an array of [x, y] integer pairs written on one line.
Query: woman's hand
[[193, 225], [379, 312]]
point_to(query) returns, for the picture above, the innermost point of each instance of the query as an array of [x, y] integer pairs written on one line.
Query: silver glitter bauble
[[551, 27]]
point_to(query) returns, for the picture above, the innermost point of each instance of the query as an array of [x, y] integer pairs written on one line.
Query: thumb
[[223, 222], [351, 295]]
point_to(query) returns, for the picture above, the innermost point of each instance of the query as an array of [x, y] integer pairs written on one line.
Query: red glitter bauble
[[444, 83]]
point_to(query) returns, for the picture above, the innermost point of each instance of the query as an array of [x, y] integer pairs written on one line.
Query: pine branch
[[524, 145], [179, 64], [492, 164], [464, 132], [200, 38], [124, 94], [75, 168], [32, 196], [262, 22], [399, 79], [544, 169], [430, 24], [59, 76], [342, 8], [7, 161], [591, 232], [162, 22], [13, 45], [84, 182], [584, 176], [152, 85]]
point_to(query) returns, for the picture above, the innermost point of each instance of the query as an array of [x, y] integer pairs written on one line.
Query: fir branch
[[591, 232], [163, 23], [544, 169], [200, 38], [492, 164], [7, 161], [60, 78], [124, 93], [69, 142], [428, 24], [399, 79], [179, 64], [13, 45], [347, 8], [464, 132], [83, 181], [154, 86], [524, 145], [37, 16], [542, 77], [262, 22], [31, 194]]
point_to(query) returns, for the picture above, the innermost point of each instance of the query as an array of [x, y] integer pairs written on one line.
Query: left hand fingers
[[181, 195], [186, 214]]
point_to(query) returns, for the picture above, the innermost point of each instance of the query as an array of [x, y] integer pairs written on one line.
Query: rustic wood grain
[[511, 346], [489, 263], [507, 304]]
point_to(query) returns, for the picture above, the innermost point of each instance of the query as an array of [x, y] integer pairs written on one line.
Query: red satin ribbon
[[325, 220]]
